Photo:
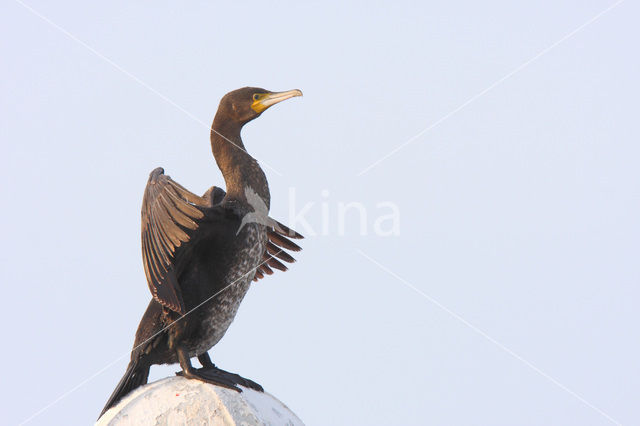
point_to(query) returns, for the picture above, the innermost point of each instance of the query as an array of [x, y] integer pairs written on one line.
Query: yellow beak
[[268, 99]]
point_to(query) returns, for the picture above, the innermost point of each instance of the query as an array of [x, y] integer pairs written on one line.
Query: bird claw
[[222, 378], [217, 373]]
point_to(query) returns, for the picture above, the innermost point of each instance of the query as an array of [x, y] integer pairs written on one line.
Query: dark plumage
[[200, 257]]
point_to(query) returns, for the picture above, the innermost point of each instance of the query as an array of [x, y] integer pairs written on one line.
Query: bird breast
[[252, 241]]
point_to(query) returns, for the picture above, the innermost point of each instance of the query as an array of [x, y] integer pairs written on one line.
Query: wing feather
[[186, 210], [169, 214], [278, 241], [273, 250], [283, 242]]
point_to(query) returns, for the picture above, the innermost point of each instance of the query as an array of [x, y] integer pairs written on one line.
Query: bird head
[[243, 105]]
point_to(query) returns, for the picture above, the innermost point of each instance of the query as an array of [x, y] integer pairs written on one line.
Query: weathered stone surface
[[177, 400]]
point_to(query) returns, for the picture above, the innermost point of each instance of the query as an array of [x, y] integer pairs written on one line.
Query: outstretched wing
[[276, 246], [170, 214], [279, 238]]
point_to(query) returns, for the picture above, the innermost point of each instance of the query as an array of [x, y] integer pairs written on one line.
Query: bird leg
[[208, 365], [191, 373], [205, 360], [211, 374]]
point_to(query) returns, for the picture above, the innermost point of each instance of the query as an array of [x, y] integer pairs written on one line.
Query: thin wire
[[136, 79], [489, 88]]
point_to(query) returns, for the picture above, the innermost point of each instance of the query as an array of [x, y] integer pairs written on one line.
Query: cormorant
[[200, 256]]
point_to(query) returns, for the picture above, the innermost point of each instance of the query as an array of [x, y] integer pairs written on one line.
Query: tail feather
[[136, 375]]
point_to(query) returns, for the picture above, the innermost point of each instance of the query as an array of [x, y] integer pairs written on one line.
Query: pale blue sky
[[518, 213]]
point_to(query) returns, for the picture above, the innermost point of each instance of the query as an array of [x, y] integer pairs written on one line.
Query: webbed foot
[[221, 377]]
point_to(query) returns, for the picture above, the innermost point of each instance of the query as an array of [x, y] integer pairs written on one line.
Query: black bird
[[200, 256]]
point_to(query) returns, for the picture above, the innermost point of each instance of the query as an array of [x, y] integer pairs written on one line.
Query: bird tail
[[136, 375]]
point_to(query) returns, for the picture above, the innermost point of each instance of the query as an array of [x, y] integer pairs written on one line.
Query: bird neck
[[240, 170]]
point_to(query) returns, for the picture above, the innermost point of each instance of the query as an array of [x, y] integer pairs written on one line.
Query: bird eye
[[256, 97]]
